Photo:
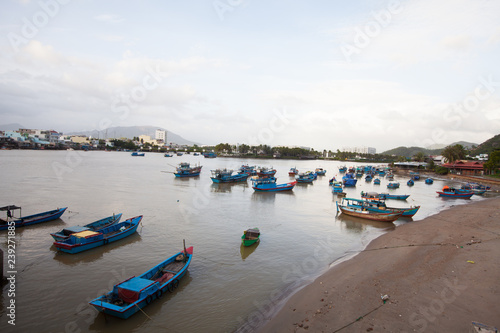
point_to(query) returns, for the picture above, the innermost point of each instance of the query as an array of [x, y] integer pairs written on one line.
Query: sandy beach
[[439, 275]]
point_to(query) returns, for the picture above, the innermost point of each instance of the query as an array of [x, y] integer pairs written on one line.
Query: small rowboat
[[429, 181], [250, 236], [131, 295], [410, 182], [368, 214], [393, 185], [320, 171], [94, 226], [86, 240], [22, 221]]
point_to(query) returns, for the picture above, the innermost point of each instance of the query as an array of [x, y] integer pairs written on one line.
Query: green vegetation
[[493, 164], [409, 152], [488, 146], [454, 153], [441, 170]]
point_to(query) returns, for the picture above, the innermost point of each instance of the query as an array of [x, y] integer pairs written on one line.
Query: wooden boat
[[250, 236], [470, 188], [368, 178], [186, 170], [320, 171], [293, 172], [304, 177], [450, 192], [336, 186], [227, 176], [374, 196], [133, 294], [376, 181], [268, 184], [410, 182], [367, 214], [414, 175], [94, 226], [179, 154], [393, 185], [429, 181], [168, 155], [266, 172], [348, 180], [137, 154], [342, 169], [380, 206], [22, 221], [249, 170], [390, 176], [210, 155], [86, 240]]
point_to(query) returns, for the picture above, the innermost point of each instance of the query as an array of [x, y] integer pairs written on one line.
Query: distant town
[[453, 158]]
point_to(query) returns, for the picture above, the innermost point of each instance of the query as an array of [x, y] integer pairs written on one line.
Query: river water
[[227, 286]]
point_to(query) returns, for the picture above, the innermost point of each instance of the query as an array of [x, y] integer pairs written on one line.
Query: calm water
[[226, 286]]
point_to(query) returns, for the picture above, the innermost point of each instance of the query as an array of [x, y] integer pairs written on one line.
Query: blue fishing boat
[[303, 177], [135, 153], [22, 221], [227, 176], [342, 169], [320, 171], [94, 226], [168, 155], [365, 213], [376, 181], [86, 240], [336, 186], [383, 196], [210, 155], [268, 184], [250, 170], [393, 185], [266, 172], [414, 175], [450, 192], [390, 176], [348, 180], [410, 182], [133, 294], [429, 181], [380, 206], [475, 188], [293, 172], [368, 178], [186, 170]]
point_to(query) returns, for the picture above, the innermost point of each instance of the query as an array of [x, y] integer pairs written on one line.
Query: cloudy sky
[[325, 74]]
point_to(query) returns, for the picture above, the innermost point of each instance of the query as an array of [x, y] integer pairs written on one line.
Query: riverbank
[[439, 274]]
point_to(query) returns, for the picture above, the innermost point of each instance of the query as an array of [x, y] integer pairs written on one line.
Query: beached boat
[[380, 206], [471, 188], [250, 236], [393, 185], [320, 171], [133, 294], [414, 175], [293, 172], [348, 180], [376, 181], [268, 184], [303, 177], [94, 226], [383, 196], [367, 214], [86, 240], [227, 176], [186, 170], [22, 221], [450, 192], [137, 154], [429, 181], [410, 182]]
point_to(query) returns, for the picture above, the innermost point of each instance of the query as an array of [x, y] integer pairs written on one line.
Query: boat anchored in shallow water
[[23, 221], [250, 236], [367, 214], [186, 170], [227, 176], [94, 226], [268, 184], [450, 192]]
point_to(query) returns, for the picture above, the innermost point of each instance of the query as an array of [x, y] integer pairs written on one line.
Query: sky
[[324, 74]]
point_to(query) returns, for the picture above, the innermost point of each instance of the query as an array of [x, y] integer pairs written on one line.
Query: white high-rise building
[[161, 135]]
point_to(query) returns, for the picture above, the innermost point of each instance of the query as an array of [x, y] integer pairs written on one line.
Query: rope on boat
[[143, 312]]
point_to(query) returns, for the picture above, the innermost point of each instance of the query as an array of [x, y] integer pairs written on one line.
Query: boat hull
[[183, 175], [94, 226], [370, 215], [456, 195], [232, 179], [275, 188]]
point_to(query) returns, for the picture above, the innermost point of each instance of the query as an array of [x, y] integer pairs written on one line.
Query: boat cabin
[[252, 233]]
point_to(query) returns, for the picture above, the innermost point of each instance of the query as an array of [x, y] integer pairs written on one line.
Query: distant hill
[[11, 127], [467, 145], [488, 146], [409, 152], [131, 131]]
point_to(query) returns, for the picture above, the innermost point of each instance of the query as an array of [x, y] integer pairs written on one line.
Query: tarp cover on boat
[[86, 233], [130, 290]]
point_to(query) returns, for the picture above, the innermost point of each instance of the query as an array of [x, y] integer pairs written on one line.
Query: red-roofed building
[[470, 168]]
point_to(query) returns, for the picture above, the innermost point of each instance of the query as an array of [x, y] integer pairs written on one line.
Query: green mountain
[[409, 152], [488, 146]]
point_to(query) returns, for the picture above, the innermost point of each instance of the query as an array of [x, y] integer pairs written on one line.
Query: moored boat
[[383, 196], [227, 176], [266, 172], [131, 295], [135, 153], [336, 186], [367, 214], [86, 240], [186, 170], [268, 184], [380, 206], [22, 221], [376, 181], [210, 155], [410, 182], [476, 191], [348, 180], [450, 192], [250, 236], [342, 169], [303, 177], [168, 155], [414, 175], [393, 185], [320, 171], [429, 181], [94, 226], [293, 172]]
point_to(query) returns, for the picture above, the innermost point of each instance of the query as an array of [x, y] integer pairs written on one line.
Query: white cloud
[[109, 18]]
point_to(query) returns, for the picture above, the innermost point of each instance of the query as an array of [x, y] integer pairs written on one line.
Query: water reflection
[[107, 323], [227, 187], [358, 225], [245, 251], [93, 254]]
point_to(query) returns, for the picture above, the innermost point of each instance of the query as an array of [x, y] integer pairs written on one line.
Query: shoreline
[[439, 273]]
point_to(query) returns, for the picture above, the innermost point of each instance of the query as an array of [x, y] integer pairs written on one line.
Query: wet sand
[[439, 275]]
